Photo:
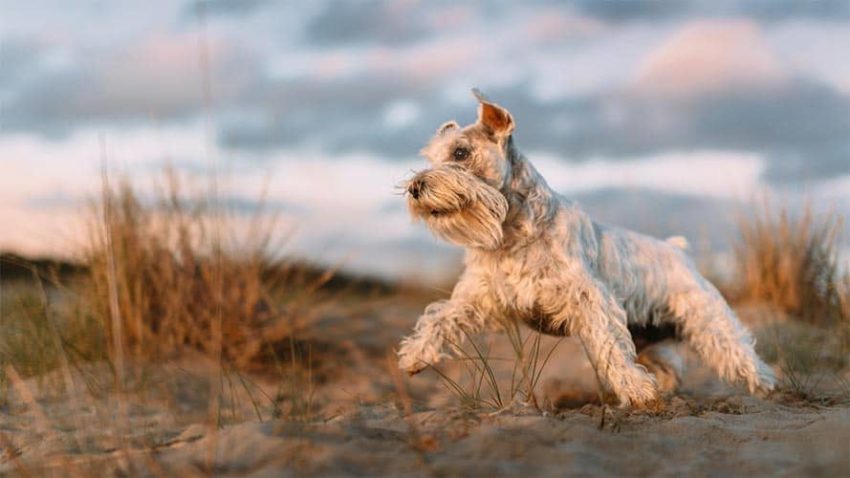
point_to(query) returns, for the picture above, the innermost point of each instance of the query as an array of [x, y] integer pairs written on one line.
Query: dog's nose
[[415, 188]]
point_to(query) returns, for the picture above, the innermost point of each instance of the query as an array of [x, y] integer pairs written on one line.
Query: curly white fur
[[533, 255]]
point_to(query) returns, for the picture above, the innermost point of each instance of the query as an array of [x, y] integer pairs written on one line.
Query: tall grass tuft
[[176, 281], [792, 261]]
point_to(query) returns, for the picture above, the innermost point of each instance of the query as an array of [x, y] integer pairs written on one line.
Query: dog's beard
[[460, 208]]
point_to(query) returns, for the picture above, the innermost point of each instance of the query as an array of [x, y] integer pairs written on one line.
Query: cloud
[[802, 129], [701, 220], [343, 23], [158, 78], [338, 115], [624, 11], [19, 58], [813, 49], [772, 10], [579, 88], [763, 10], [735, 95], [710, 174], [223, 7], [710, 56]]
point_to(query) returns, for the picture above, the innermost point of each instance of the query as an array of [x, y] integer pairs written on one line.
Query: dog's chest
[[515, 286]]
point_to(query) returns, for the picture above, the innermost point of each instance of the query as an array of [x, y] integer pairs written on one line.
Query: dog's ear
[[447, 126], [493, 117]]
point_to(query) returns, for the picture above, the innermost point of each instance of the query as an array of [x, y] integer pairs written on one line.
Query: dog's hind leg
[[711, 328], [657, 348], [665, 363]]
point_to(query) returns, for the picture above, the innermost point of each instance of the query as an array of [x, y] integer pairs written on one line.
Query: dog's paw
[[414, 357], [411, 365], [640, 391], [642, 400], [764, 381]]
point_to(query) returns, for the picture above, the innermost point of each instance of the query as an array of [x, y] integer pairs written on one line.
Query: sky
[[665, 117]]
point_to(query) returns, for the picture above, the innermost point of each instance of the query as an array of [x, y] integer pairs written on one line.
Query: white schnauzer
[[533, 255]]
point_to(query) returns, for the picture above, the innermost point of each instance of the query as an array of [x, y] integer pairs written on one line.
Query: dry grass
[[792, 261], [160, 281], [178, 281], [40, 335], [811, 358], [160, 278], [499, 383]]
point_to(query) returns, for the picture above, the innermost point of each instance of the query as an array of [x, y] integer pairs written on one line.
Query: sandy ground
[[190, 418]]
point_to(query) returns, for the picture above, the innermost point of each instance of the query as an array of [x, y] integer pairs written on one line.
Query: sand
[[363, 420]]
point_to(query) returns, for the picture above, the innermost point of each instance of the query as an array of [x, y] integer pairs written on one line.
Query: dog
[[535, 256]]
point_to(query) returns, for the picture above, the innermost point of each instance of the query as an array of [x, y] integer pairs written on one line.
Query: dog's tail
[[678, 242]]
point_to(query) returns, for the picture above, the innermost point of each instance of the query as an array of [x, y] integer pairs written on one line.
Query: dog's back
[[641, 270]]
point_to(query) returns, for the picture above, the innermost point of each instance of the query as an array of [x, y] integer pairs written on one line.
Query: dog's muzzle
[[441, 191], [458, 206]]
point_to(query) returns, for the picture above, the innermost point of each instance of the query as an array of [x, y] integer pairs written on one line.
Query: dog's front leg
[[586, 308], [445, 323]]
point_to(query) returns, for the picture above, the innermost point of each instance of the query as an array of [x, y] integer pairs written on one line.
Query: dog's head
[[461, 196]]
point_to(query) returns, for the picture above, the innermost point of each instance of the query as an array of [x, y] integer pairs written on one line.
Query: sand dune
[[361, 424]]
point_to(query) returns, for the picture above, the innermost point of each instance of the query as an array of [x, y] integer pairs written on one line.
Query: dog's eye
[[460, 154]]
